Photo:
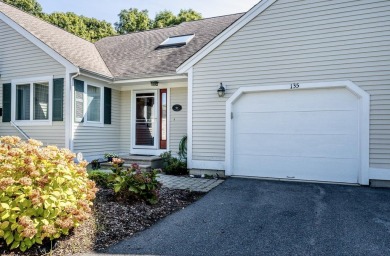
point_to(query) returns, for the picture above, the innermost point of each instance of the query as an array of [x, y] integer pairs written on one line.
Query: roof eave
[[148, 78], [96, 75]]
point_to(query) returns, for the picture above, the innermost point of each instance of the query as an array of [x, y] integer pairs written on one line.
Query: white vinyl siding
[[299, 41], [19, 58], [125, 121], [178, 120]]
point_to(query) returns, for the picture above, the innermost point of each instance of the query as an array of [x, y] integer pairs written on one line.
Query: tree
[[90, 29], [30, 6], [97, 29], [69, 21], [188, 15], [132, 20], [164, 19]]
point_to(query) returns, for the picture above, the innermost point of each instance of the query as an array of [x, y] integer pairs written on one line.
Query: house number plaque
[[176, 107]]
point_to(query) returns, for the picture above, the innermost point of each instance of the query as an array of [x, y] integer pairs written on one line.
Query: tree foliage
[[167, 18], [164, 19], [131, 20], [188, 15], [30, 6], [90, 29]]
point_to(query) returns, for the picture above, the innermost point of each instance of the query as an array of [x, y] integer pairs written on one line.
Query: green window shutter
[[78, 101], [107, 105], [58, 99], [6, 103]]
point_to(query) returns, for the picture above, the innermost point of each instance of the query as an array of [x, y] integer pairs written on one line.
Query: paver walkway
[[193, 184]]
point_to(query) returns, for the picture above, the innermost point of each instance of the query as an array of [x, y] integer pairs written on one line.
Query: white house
[[305, 90]]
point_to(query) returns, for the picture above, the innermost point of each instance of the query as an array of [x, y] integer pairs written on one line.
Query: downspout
[[71, 112]]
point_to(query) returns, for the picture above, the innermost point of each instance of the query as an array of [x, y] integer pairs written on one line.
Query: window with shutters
[[31, 101], [88, 103]]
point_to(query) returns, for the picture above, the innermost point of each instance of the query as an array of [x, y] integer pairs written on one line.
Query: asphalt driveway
[[254, 217]]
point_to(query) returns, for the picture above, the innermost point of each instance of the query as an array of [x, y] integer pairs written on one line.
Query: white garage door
[[298, 134]]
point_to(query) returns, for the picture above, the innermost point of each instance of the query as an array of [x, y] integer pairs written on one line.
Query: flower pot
[[95, 166]]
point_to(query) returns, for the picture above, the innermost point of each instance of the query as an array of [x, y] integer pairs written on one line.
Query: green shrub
[[43, 193], [173, 165], [100, 178], [133, 183], [183, 148]]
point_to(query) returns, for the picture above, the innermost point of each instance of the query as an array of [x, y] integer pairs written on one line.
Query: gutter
[[70, 115]]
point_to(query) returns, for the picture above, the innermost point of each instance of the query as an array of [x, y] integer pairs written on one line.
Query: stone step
[[155, 162], [143, 167]]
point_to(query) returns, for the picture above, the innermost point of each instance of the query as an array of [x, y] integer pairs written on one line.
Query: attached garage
[[310, 133]]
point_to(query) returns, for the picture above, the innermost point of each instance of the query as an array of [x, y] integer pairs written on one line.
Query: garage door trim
[[364, 112]]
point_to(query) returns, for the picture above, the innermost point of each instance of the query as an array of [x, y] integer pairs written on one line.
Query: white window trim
[[31, 122], [155, 150], [93, 123]]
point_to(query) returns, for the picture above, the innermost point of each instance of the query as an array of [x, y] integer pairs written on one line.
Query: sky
[[108, 9]]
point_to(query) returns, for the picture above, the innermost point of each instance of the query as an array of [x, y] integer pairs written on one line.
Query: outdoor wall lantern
[[221, 91], [154, 83]]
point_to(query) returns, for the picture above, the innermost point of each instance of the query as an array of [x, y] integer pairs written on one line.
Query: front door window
[[145, 119]]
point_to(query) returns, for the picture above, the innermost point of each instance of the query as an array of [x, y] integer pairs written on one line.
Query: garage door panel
[[298, 100], [301, 168], [324, 122], [333, 146], [299, 134]]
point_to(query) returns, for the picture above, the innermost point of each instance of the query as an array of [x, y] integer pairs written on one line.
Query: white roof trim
[[241, 22], [44, 47], [158, 78]]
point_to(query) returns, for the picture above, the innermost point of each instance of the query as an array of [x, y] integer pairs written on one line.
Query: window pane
[[163, 116], [41, 101], [145, 125], [23, 102], [93, 109]]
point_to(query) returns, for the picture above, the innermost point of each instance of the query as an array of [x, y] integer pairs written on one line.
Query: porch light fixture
[[221, 91], [154, 83]]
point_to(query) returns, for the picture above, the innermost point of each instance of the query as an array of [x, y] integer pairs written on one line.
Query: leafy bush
[[43, 193], [133, 183], [173, 165], [183, 148], [100, 178]]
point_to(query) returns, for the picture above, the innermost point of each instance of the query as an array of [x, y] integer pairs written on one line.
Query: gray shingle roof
[[135, 55], [127, 56], [75, 49]]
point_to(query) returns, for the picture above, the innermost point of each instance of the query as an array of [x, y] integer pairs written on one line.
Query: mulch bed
[[112, 222]]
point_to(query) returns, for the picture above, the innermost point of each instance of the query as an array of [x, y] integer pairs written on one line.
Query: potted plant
[[95, 164], [110, 156]]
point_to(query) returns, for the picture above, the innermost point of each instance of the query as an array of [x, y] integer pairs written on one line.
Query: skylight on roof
[[177, 40]]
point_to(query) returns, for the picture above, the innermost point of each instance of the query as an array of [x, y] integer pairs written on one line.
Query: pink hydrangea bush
[[43, 192]]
